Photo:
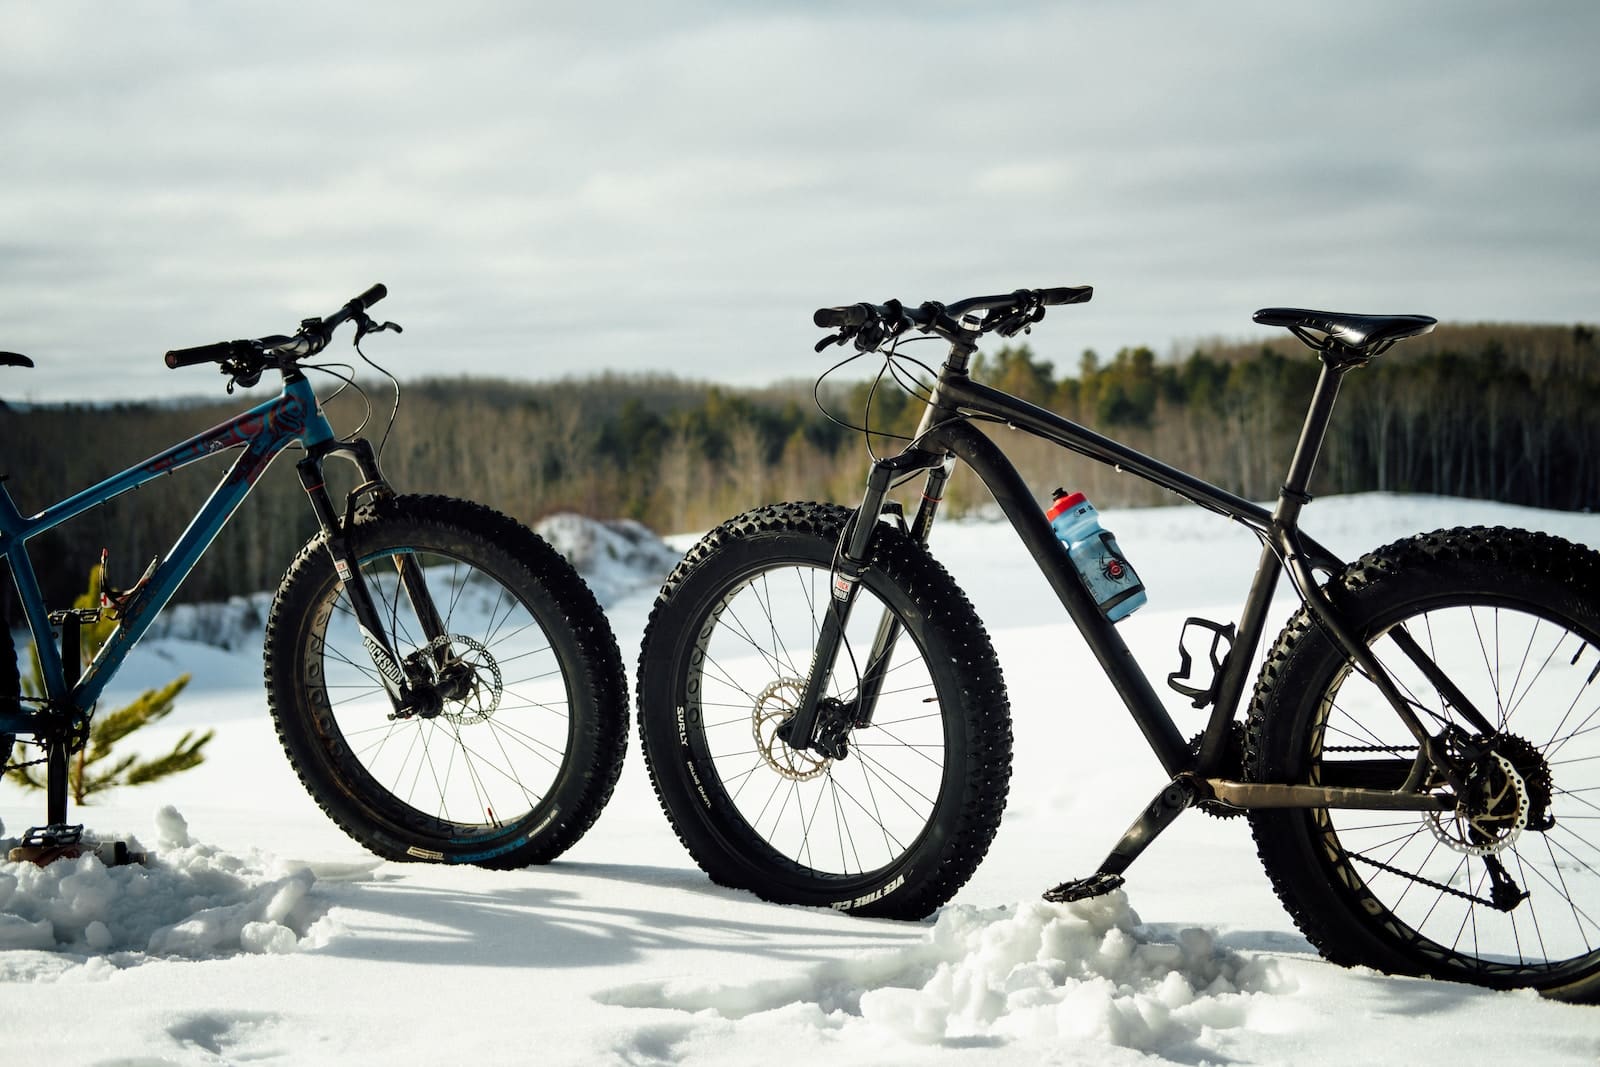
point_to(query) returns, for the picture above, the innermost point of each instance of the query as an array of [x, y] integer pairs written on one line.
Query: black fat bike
[[825, 722]]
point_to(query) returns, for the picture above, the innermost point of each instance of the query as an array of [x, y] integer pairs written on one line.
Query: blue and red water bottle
[[1092, 549]]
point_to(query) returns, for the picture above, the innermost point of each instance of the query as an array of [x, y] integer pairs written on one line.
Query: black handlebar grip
[[1066, 294], [854, 315], [372, 296], [188, 357]]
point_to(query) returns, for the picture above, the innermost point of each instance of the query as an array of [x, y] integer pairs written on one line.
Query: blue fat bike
[[825, 722], [441, 679]]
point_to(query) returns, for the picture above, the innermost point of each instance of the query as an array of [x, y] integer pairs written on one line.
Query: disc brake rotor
[[774, 707], [482, 693], [1490, 815]]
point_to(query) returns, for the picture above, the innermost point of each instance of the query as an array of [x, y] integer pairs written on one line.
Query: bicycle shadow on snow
[[555, 923]]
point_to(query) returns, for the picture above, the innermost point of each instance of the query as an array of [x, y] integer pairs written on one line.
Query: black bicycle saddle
[[1359, 332]]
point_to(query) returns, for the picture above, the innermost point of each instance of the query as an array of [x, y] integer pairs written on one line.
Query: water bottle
[[1092, 549]]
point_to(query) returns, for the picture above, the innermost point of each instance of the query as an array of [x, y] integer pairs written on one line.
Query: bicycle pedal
[[1096, 885], [56, 835], [43, 845]]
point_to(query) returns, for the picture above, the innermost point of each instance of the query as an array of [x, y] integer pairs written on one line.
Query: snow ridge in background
[[235, 623], [615, 556], [1038, 972]]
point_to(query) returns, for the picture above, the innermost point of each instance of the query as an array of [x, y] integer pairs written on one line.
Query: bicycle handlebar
[[312, 337], [870, 323]]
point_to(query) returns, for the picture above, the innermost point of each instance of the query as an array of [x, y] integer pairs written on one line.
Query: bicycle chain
[[79, 741], [7, 764], [1452, 890]]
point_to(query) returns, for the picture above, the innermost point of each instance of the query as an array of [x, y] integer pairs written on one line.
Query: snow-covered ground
[[260, 933]]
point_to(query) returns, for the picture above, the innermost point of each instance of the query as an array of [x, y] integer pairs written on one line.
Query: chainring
[[1232, 767]]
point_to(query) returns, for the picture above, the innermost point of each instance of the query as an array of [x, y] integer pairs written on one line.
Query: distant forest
[[1493, 411]]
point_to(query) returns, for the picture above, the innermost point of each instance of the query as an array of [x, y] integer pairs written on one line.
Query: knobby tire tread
[[981, 702], [1343, 933], [602, 720]]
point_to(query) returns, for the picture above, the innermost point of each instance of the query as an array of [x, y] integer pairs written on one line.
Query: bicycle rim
[[833, 818], [493, 752]]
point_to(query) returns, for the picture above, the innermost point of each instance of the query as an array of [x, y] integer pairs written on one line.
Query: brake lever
[[364, 325], [836, 339], [241, 374], [1019, 321]]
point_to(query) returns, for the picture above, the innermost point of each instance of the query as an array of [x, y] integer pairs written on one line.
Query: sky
[[554, 190]]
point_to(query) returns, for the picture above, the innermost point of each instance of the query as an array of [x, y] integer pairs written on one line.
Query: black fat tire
[[957, 720], [1492, 589], [567, 731]]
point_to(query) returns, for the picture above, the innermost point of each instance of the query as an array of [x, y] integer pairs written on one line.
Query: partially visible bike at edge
[[442, 680]]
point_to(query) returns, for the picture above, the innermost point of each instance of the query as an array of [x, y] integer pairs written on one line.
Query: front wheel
[[523, 740], [1503, 891], [895, 825]]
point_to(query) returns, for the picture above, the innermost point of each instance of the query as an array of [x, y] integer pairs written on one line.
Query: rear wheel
[[898, 823], [1505, 890], [521, 747]]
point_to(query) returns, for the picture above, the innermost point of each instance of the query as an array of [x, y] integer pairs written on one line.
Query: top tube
[[263, 431]]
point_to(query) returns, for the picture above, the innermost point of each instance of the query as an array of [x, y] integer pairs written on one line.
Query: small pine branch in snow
[[93, 768]]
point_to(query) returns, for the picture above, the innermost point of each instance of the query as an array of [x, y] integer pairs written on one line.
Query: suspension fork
[[800, 730], [889, 628], [374, 633]]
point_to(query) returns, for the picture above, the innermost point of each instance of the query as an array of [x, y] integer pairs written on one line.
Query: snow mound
[[1087, 971], [230, 624], [192, 901], [615, 556]]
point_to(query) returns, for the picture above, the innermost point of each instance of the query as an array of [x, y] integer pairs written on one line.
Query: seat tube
[[1294, 494]]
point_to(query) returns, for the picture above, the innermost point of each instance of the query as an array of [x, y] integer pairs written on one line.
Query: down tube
[[185, 553], [1014, 498]]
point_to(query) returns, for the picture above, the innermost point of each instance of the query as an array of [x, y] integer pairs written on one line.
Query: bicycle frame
[[947, 434], [261, 432]]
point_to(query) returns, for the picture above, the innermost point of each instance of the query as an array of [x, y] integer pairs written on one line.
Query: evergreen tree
[[94, 768]]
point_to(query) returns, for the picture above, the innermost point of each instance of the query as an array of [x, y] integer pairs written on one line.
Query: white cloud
[[646, 186]]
